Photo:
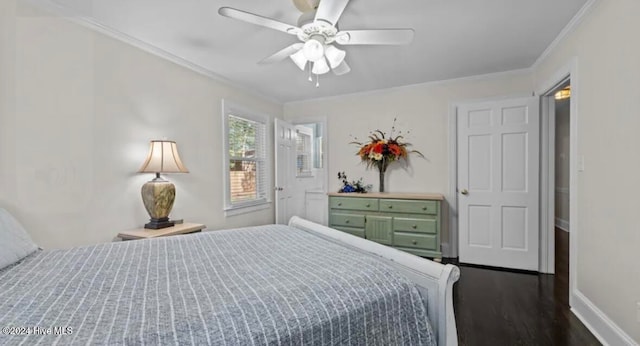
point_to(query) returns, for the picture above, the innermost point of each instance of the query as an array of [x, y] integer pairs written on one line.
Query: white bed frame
[[434, 280]]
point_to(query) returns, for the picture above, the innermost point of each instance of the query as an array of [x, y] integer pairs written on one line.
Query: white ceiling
[[453, 38]]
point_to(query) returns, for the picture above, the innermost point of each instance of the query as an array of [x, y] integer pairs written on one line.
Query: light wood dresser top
[[398, 195]]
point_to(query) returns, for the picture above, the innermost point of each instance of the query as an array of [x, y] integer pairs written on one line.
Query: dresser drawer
[[421, 241], [404, 224], [353, 231], [347, 220], [409, 206], [353, 203]]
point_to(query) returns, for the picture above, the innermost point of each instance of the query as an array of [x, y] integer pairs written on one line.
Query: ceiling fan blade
[[342, 69], [331, 10], [258, 20], [282, 54], [376, 36]]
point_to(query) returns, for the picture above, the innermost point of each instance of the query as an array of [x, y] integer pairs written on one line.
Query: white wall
[[605, 46], [422, 109], [78, 111]]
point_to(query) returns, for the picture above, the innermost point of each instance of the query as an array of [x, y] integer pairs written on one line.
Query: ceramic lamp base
[[158, 196]]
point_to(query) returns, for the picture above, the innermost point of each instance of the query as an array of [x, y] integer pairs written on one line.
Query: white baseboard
[[602, 327], [562, 224]]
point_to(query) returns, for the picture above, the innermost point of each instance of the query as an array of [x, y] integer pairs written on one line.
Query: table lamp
[[158, 194]]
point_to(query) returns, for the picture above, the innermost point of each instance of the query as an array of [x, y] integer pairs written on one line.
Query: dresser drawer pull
[[368, 205], [346, 221], [390, 207], [424, 208], [340, 204], [415, 242], [414, 226]]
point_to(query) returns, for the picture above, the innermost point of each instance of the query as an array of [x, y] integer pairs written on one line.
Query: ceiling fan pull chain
[[317, 81], [310, 79]]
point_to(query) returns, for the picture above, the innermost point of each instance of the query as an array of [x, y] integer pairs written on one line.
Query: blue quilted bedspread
[[266, 285]]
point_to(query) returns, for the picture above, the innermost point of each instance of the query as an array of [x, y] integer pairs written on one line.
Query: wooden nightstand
[[143, 233]]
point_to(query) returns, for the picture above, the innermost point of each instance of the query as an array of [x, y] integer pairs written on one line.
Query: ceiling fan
[[317, 29]]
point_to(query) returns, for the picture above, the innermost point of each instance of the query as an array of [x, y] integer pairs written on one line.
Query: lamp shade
[[334, 55], [299, 59], [163, 158], [313, 50], [320, 67]]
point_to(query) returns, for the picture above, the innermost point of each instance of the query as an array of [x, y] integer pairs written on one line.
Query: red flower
[[378, 148], [395, 149]]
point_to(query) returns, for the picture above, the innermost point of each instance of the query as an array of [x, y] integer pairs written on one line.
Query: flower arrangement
[[380, 150], [353, 186]]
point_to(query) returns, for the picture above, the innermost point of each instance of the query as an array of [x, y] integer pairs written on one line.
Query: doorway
[[560, 147], [301, 177], [563, 77], [311, 176]]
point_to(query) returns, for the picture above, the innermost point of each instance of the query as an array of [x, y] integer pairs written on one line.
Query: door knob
[[464, 192]]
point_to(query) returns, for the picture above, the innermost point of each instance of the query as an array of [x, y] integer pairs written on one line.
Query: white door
[[498, 199], [285, 137]]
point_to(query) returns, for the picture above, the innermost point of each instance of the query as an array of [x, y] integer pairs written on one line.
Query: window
[[246, 162], [304, 151], [316, 143]]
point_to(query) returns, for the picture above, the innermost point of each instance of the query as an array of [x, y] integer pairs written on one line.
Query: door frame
[[545, 89], [547, 239]]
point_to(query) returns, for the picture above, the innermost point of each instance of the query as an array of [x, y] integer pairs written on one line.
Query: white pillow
[[15, 243]]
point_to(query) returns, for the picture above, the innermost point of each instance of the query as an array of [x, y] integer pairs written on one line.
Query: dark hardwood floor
[[507, 308]]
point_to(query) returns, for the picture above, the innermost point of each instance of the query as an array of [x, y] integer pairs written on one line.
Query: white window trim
[[247, 209], [230, 108]]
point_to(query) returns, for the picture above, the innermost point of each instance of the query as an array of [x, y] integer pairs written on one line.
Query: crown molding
[[481, 77], [569, 28], [87, 22], [90, 23]]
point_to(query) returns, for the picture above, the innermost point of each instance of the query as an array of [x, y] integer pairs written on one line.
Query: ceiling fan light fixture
[[313, 49], [334, 55], [299, 59], [320, 67]]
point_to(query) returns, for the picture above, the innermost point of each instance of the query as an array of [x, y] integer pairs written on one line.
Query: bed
[[301, 284]]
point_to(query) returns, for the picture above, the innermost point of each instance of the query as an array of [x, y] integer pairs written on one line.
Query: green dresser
[[408, 222]]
